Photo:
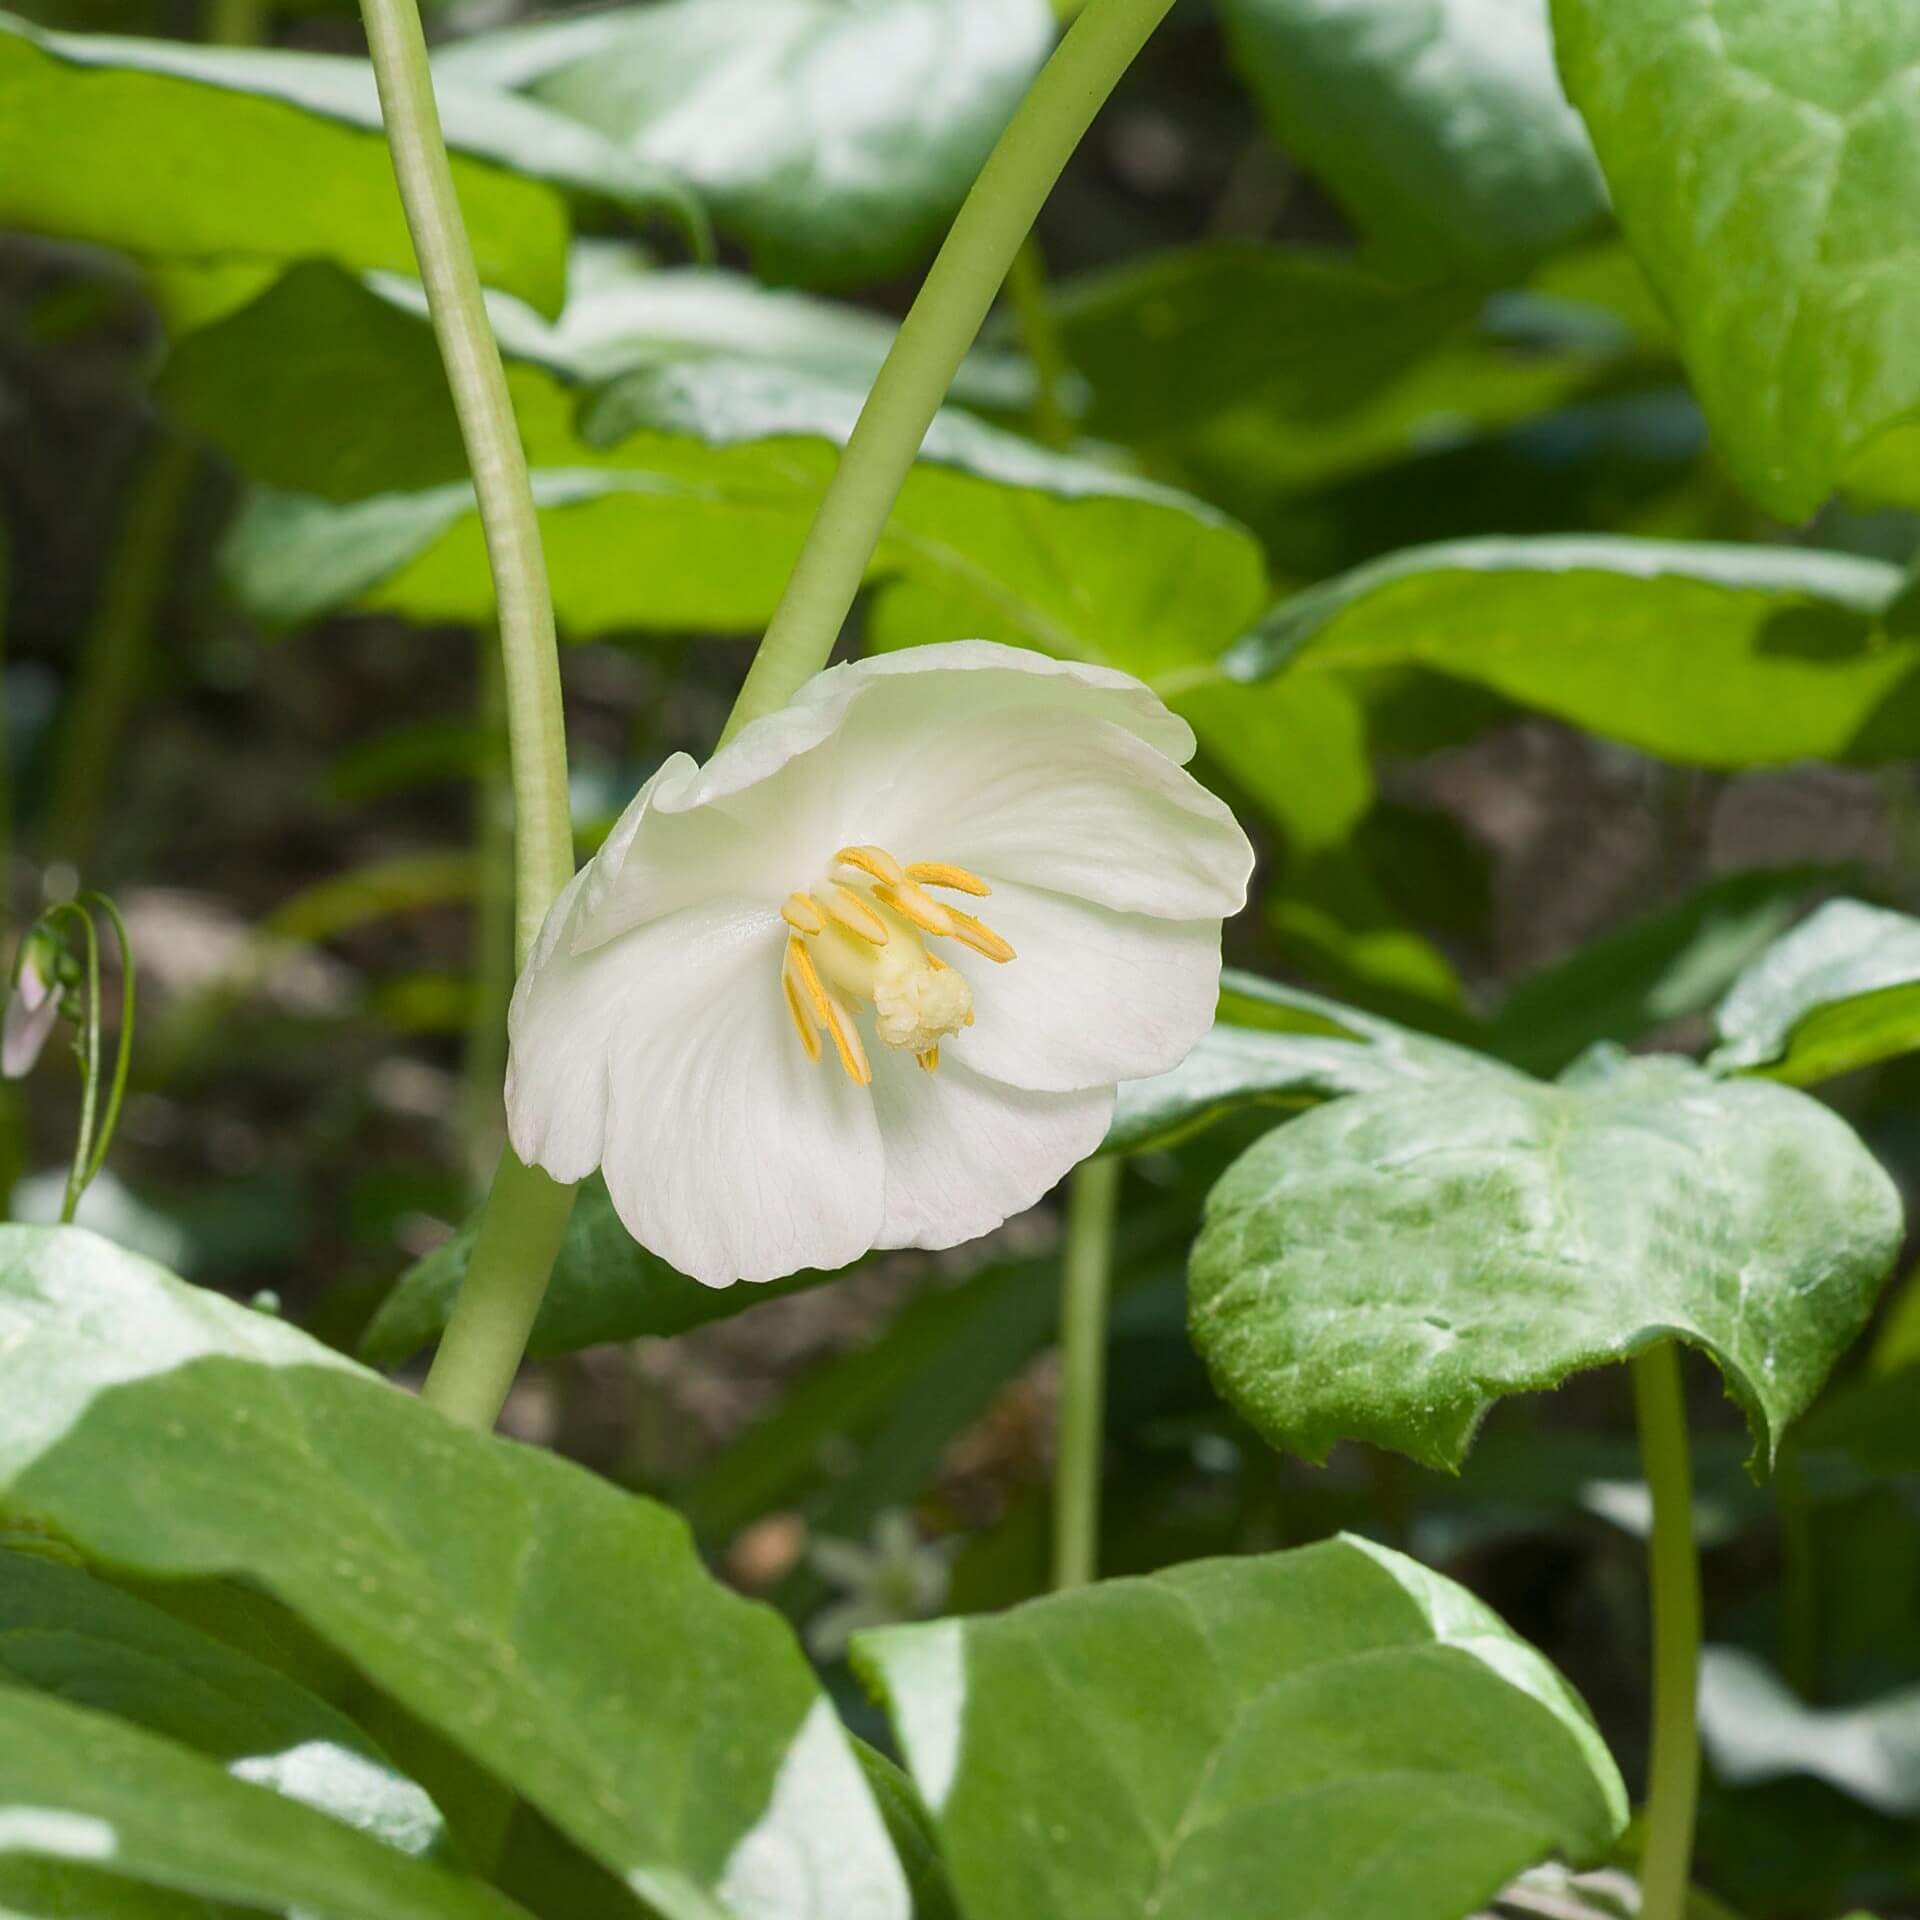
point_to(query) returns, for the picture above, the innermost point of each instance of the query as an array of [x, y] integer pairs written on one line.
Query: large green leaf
[[1441, 127], [605, 1287], [1764, 160], [81, 1787], [559, 1632], [1331, 1730], [65, 1633], [1387, 1267], [1718, 655], [214, 153], [835, 137], [39, 1889], [1274, 1045], [1840, 991]]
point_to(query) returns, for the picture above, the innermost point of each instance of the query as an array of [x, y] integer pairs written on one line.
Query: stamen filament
[[930, 1060], [856, 916], [911, 904], [846, 1039], [802, 913], [830, 1013], [941, 873], [876, 861], [802, 1020], [979, 936]]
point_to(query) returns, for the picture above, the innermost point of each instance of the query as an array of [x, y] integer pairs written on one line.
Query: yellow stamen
[[855, 915], [874, 860], [830, 1013], [802, 913], [802, 1022], [979, 936], [911, 904], [939, 873], [930, 1060], [846, 1039]]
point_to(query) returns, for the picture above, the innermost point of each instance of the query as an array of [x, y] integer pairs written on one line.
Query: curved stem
[[1040, 335], [123, 1050], [77, 1174], [483, 1065], [960, 287], [1086, 1265], [1666, 1859], [525, 1212]]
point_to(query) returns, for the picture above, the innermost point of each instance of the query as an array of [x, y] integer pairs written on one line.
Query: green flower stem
[[526, 1213], [960, 287], [1040, 335], [1667, 1857], [1086, 1268], [113, 656], [484, 1062]]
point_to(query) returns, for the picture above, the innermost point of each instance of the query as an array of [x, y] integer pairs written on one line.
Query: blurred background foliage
[[1302, 303]]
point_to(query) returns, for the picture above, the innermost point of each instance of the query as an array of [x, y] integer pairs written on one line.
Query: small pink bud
[[33, 1010]]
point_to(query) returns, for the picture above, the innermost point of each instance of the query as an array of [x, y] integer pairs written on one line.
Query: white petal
[[667, 1057], [964, 1153], [1063, 801], [1090, 997]]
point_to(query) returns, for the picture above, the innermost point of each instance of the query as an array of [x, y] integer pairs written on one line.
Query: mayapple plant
[[925, 934]]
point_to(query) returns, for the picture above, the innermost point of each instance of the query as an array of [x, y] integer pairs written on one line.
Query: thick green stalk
[[967, 273], [526, 1213], [113, 657], [484, 1062], [1086, 1266], [1666, 1859]]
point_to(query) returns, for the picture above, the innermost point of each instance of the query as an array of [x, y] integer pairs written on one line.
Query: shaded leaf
[[1764, 161], [170, 1433], [1788, 653], [168, 150], [33, 1889], [836, 140], [605, 1287], [1387, 1267], [1334, 1727], [1840, 991]]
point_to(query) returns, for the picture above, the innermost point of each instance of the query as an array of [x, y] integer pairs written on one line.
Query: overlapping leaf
[[1716, 655], [1335, 1728], [1442, 128], [1840, 991], [242, 155], [836, 139], [1387, 1267], [1764, 161], [671, 1731]]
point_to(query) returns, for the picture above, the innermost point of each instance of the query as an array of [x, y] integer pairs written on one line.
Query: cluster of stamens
[[858, 939]]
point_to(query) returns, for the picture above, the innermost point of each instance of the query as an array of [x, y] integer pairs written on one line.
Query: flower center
[[858, 940]]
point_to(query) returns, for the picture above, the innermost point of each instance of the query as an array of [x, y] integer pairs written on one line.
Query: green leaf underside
[[835, 140], [1841, 991], [669, 1729], [1387, 1267], [1278, 1045], [201, 153], [62, 1632], [1330, 1729], [605, 1287], [1443, 129], [1719, 656], [1764, 161], [39, 1889], [82, 1787]]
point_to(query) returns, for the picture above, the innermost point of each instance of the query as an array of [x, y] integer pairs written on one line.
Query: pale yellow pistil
[[858, 941]]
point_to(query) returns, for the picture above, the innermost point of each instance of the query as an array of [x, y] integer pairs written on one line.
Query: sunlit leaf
[[167, 1432], [1335, 1728], [1388, 1266], [1443, 129], [836, 140], [1716, 655], [1841, 991], [1764, 160], [169, 150]]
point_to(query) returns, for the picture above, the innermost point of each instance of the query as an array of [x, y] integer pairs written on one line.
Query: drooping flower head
[[868, 978], [33, 1008]]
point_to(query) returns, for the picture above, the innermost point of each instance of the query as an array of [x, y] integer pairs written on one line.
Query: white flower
[[33, 1010], [896, 1576], [759, 1010]]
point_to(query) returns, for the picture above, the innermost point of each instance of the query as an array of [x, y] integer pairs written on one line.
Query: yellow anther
[[874, 860], [802, 913], [938, 873], [979, 936], [802, 1020], [911, 904], [829, 1012], [846, 1040], [855, 915], [930, 1060]]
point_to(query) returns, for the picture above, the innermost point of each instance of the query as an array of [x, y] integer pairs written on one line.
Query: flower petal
[[964, 1153], [667, 1057], [1091, 996]]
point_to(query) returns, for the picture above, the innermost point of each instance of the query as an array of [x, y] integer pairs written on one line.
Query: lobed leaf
[[1386, 1268], [670, 1730], [1330, 1728]]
